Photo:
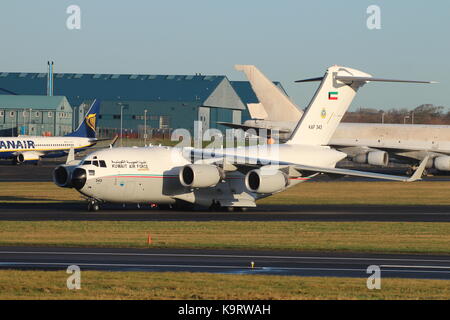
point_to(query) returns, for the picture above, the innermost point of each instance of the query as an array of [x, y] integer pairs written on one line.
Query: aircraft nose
[[79, 178]]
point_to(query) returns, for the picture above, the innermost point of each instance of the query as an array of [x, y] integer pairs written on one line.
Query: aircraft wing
[[112, 144], [417, 175], [243, 163], [419, 154], [412, 156], [39, 153], [103, 139], [354, 151]]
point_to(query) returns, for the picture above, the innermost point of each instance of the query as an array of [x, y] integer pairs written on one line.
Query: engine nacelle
[[27, 156], [442, 163], [62, 175], [266, 181], [376, 158], [200, 175]]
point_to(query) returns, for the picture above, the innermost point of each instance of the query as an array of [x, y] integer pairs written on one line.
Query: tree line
[[423, 114]]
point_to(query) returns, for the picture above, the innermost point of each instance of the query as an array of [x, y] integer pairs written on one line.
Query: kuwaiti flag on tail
[[332, 95]]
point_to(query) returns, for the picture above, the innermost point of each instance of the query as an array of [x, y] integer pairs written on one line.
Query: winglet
[[418, 173], [71, 155], [113, 141]]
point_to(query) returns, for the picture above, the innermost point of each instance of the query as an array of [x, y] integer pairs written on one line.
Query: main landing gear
[[93, 205], [215, 206], [411, 170]]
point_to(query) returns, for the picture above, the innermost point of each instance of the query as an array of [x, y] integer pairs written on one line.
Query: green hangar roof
[[205, 90], [32, 101]]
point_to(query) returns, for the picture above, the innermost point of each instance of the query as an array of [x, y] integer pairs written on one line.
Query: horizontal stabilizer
[[311, 79], [364, 79], [247, 127]]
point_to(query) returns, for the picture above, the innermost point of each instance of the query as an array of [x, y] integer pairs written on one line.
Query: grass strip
[[193, 286], [386, 237]]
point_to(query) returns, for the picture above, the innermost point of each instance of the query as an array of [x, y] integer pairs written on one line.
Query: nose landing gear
[[93, 205]]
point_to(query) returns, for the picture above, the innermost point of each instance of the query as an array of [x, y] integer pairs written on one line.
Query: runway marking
[[418, 267], [218, 256], [200, 267]]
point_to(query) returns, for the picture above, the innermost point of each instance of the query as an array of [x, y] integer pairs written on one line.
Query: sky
[[286, 39]]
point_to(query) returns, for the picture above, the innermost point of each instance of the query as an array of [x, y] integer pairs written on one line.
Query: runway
[[110, 212], [28, 172], [223, 261]]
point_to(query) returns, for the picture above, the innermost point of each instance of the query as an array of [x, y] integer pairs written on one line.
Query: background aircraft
[[230, 177], [31, 148], [368, 143]]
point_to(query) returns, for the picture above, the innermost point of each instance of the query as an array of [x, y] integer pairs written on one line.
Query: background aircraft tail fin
[[87, 128], [277, 105]]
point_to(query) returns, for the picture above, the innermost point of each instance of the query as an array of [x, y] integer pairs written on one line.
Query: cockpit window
[[87, 162], [102, 163], [95, 163]]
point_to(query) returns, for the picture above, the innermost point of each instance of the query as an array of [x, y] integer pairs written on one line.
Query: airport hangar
[[34, 115], [168, 101]]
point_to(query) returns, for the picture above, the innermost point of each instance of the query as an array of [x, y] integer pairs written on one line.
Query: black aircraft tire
[[93, 206]]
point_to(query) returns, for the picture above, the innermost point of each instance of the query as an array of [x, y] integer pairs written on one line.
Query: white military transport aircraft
[[229, 177]]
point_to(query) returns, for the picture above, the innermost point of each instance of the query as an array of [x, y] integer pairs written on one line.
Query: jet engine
[[442, 163], [266, 181], [200, 175], [376, 158], [27, 156], [62, 175]]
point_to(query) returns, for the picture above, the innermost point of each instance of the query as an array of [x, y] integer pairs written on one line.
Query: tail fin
[[327, 107], [277, 104], [257, 111], [87, 128], [330, 102]]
